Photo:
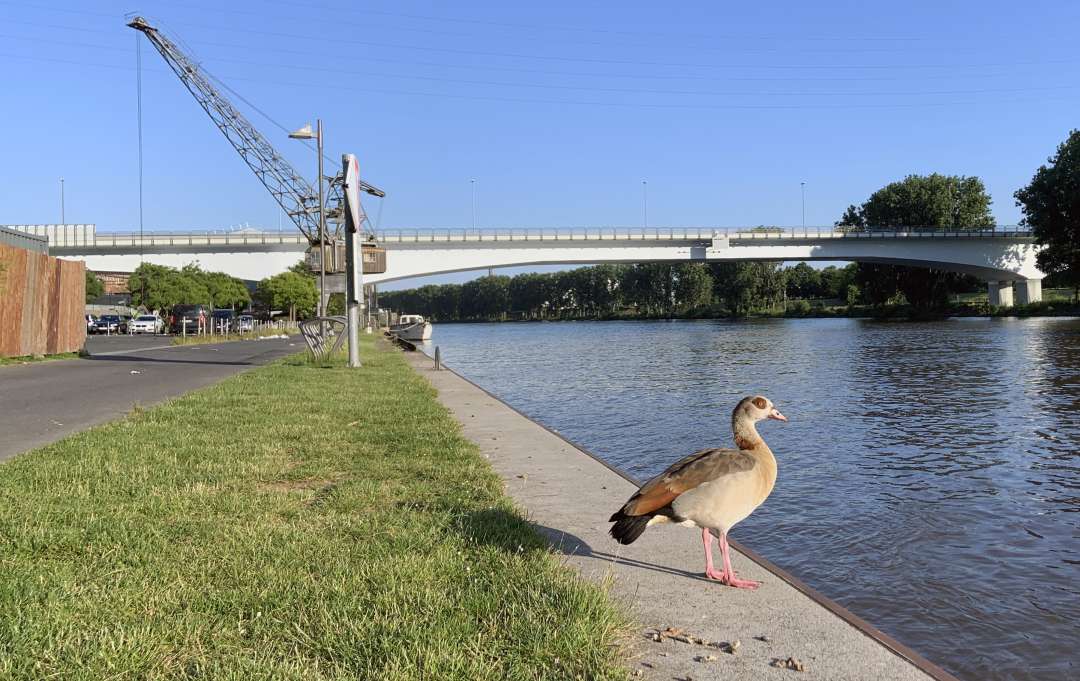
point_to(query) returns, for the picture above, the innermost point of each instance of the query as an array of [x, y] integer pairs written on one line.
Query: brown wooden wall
[[42, 303]]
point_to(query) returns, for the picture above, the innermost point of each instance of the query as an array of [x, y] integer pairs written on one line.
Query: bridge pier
[[1000, 293], [1029, 291]]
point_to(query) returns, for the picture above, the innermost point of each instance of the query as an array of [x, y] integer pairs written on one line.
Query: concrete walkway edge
[[661, 581]]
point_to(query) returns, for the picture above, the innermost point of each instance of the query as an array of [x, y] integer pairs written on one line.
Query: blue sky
[[559, 110]]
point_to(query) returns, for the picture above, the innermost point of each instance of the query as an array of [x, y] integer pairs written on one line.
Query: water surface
[[929, 476]]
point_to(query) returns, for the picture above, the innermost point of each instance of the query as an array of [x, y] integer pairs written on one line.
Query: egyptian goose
[[712, 489]]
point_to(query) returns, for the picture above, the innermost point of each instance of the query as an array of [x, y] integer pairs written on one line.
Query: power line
[[591, 88], [681, 37], [487, 67], [513, 55], [569, 102]]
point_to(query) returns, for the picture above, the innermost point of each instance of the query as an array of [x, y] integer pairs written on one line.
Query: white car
[[245, 323], [147, 323]]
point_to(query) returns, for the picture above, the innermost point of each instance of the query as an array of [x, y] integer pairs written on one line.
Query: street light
[[62, 218], [305, 133], [802, 186], [472, 189], [645, 204]]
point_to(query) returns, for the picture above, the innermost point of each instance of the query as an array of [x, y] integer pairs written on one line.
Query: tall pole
[[354, 267], [63, 220], [472, 187], [802, 187], [645, 204], [322, 223]]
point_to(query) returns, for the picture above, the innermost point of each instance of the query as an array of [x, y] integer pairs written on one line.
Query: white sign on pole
[[352, 193]]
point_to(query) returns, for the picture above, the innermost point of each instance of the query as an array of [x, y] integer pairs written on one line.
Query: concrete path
[[569, 496], [43, 402]]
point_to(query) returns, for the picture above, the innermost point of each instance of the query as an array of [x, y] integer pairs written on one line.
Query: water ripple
[[929, 476]]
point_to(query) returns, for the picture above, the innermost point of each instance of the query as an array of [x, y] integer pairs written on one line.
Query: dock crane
[[293, 193]]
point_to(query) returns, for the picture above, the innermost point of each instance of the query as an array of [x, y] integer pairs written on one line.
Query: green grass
[[293, 522], [26, 359]]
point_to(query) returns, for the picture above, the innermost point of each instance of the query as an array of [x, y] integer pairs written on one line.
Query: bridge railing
[[128, 240], [175, 239], [686, 234]]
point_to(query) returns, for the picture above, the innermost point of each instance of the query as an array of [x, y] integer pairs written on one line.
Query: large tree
[[747, 286], [693, 286], [1051, 205], [918, 202], [94, 286], [288, 291], [157, 287], [486, 297]]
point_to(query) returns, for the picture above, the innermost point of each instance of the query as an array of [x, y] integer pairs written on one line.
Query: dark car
[[112, 323], [191, 318]]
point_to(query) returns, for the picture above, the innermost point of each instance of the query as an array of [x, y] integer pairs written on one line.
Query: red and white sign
[[352, 193]]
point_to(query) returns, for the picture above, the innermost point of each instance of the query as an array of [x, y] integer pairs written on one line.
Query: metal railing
[[12, 237], [119, 239], [688, 234], [732, 234]]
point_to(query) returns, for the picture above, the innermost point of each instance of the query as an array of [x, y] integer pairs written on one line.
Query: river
[[929, 475]]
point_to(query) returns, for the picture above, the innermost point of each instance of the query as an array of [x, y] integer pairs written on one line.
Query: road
[[44, 402]]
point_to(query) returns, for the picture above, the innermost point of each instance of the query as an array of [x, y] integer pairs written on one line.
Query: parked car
[[112, 323], [91, 323], [223, 321], [245, 323], [148, 323], [189, 318]]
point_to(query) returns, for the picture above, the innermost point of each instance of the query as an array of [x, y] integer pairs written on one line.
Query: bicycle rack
[[312, 331]]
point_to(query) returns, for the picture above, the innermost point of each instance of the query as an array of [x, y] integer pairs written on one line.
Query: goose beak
[[775, 414]]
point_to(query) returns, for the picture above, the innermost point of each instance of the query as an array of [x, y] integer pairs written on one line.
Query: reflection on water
[[929, 476]]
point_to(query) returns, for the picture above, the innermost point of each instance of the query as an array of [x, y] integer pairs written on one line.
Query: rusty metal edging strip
[[898, 648]]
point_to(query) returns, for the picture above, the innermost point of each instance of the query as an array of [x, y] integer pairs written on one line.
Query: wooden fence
[[42, 303]]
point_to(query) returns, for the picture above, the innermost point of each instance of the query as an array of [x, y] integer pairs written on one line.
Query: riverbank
[[291, 522], [1052, 308], [568, 495]]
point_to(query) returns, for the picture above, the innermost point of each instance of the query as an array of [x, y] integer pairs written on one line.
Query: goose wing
[[685, 474]]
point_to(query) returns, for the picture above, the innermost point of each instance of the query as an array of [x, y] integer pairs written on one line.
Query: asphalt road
[[44, 402]]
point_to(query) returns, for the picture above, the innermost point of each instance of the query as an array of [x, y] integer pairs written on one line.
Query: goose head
[[749, 411]]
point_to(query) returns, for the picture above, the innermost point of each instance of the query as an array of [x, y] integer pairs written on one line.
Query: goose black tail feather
[[627, 528]]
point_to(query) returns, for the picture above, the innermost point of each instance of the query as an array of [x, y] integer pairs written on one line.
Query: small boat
[[411, 327]]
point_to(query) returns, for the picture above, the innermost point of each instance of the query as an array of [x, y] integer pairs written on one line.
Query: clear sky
[[559, 110]]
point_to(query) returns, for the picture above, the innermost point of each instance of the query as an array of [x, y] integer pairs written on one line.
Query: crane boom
[[293, 193]]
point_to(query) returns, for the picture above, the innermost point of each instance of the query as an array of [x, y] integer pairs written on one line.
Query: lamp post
[[472, 188], [305, 133], [62, 218], [645, 204], [802, 188]]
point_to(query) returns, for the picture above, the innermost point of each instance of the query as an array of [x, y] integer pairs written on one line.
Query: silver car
[[147, 323]]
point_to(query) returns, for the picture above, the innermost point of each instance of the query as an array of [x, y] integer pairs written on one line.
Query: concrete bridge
[[1004, 258]]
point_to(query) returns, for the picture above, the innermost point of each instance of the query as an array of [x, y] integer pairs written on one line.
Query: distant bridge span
[[1004, 258]]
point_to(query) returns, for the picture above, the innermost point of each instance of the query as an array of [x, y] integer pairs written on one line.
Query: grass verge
[[293, 522], [27, 359]]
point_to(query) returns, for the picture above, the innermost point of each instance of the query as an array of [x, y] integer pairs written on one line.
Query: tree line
[[1050, 205], [646, 289], [160, 288]]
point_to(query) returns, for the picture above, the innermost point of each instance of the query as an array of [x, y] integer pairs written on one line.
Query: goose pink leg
[[727, 576], [732, 580], [706, 539]]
